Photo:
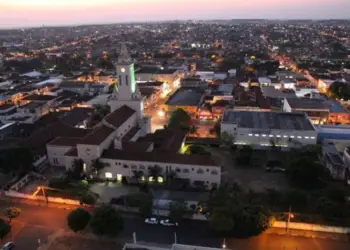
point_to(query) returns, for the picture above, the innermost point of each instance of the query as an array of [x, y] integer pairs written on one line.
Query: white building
[[123, 143], [261, 128]]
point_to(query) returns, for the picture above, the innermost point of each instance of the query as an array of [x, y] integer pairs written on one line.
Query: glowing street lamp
[[161, 113]]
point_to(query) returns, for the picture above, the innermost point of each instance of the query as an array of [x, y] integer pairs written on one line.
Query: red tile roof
[[97, 136], [119, 116]]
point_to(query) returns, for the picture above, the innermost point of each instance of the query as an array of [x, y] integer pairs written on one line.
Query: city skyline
[[20, 13]]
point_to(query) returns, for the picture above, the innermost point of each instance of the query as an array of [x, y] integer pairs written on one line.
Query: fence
[[15, 194], [21, 183]]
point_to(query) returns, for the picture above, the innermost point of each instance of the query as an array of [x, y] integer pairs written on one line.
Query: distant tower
[[126, 91]]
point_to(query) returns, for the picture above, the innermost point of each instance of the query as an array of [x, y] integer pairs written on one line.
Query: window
[[127, 80], [192, 169], [178, 170], [200, 171], [185, 170], [126, 166], [55, 161], [120, 81], [142, 167], [250, 134], [207, 169], [270, 135], [108, 175], [214, 172], [133, 167]]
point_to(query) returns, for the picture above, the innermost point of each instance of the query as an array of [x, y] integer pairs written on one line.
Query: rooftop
[[119, 116], [306, 103], [97, 136], [65, 141], [185, 97], [268, 120], [335, 107], [39, 98]]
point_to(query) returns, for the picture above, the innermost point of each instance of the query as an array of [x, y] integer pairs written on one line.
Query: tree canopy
[[339, 90], [106, 221], [16, 160], [177, 210], [5, 228], [12, 212], [78, 219], [180, 119]]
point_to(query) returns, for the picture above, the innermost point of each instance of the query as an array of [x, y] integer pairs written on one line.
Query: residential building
[[261, 128], [85, 88]]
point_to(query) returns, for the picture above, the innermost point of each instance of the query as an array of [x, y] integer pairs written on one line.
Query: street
[[40, 221]]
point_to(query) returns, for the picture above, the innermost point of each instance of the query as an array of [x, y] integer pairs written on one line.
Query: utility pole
[[289, 216], [175, 238]]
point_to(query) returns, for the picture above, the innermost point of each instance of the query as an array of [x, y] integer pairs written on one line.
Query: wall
[[287, 138], [58, 153], [50, 199], [21, 182], [125, 168], [312, 227]]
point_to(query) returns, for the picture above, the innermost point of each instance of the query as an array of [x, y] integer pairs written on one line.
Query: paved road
[[40, 222]]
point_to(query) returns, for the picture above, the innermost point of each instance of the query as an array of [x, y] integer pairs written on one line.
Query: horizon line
[[174, 20]]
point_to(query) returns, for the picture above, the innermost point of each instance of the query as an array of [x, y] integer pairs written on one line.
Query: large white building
[[123, 143], [264, 128]]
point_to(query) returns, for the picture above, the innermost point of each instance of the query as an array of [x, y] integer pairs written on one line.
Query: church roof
[[119, 116]]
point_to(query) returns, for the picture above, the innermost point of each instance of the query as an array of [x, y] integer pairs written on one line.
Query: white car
[[151, 220], [168, 223], [8, 246]]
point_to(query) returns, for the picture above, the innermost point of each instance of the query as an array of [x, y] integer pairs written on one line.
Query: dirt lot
[[255, 178]]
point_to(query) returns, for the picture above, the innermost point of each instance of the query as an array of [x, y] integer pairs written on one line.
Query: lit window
[[263, 135], [278, 136], [307, 137], [108, 175], [299, 137], [312, 137], [250, 134], [256, 135], [119, 177], [270, 135], [160, 179], [292, 136], [285, 136]]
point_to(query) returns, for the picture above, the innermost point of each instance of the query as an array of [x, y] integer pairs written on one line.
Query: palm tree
[[155, 172], [97, 165], [137, 174], [170, 176]]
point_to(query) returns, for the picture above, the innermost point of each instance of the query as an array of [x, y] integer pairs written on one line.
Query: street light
[[224, 244], [161, 113]]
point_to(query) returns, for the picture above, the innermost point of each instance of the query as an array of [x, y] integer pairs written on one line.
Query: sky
[[29, 13]]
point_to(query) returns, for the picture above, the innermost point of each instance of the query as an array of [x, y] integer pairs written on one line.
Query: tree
[[216, 129], [5, 228], [227, 139], [106, 221], [11, 163], [180, 119], [155, 172], [305, 172], [87, 198], [177, 210], [245, 155], [193, 130], [78, 219], [196, 150], [137, 174], [146, 206], [12, 212], [100, 111], [221, 220], [97, 165], [76, 170], [339, 90]]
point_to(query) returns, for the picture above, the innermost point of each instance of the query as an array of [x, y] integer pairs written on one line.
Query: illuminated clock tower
[[126, 91]]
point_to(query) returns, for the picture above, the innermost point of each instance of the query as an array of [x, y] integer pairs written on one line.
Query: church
[[124, 144]]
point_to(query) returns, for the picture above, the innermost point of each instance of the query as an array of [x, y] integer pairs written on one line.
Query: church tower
[[126, 91]]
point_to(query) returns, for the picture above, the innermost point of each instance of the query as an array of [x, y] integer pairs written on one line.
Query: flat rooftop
[[268, 120], [185, 97], [306, 103]]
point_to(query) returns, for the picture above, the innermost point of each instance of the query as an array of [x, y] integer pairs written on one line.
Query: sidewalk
[[308, 234]]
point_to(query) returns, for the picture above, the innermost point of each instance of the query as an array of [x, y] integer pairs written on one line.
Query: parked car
[[168, 223], [151, 220], [9, 245]]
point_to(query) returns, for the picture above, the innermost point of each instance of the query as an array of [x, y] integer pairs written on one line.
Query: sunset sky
[[24, 13]]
